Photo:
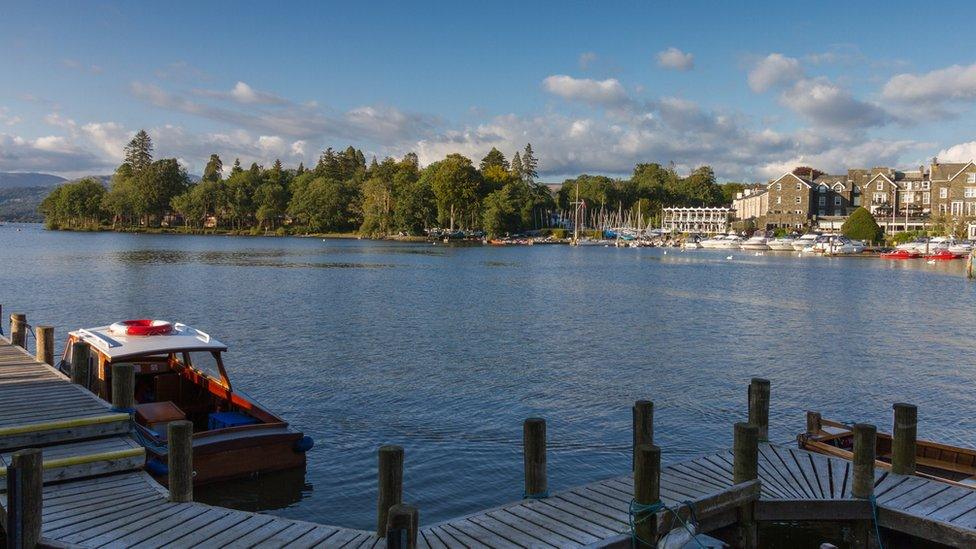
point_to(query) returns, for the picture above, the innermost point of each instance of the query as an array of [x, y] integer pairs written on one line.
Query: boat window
[[205, 362]]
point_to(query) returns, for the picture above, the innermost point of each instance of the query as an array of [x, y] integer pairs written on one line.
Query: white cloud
[[962, 152], [673, 58], [298, 148], [587, 90], [954, 83], [774, 70], [53, 154], [836, 156], [826, 104], [109, 137]]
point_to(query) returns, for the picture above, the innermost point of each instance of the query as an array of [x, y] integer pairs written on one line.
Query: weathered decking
[[96, 494]]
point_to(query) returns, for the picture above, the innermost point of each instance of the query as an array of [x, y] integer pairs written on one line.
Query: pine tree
[[237, 167], [214, 169], [138, 153], [301, 168], [494, 158], [255, 169], [276, 171], [517, 165], [529, 164]]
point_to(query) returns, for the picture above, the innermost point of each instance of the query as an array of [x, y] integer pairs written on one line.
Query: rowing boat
[[950, 464]]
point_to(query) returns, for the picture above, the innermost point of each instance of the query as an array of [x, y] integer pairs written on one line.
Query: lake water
[[445, 350]]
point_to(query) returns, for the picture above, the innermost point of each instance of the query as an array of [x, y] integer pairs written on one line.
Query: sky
[[751, 89]]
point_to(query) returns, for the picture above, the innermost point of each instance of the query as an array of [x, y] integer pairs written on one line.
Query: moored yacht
[[784, 244], [757, 242], [805, 241]]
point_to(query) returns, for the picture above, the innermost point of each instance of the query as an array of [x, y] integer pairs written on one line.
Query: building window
[[798, 200], [880, 185], [799, 185], [969, 192], [880, 198], [836, 201], [970, 208], [909, 198], [821, 213], [943, 192], [971, 177], [925, 185], [838, 213], [779, 186], [857, 199], [822, 189], [956, 208], [779, 199], [926, 198], [823, 201], [942, 209]]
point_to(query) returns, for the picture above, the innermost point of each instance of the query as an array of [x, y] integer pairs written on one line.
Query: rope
[[874, 515], [640, 512]]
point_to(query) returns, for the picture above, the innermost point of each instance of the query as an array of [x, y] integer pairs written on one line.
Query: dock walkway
[[96, 493]]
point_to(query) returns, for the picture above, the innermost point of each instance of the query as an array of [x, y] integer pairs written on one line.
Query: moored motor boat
[[943, 255], [901, 254], [180, 375], [949, 464], [757, 242], [806, 240], [781, 244]]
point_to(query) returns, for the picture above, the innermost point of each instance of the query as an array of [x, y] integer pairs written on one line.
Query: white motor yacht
[[730, 242], [805, 241], [757, 242], [784, 244]]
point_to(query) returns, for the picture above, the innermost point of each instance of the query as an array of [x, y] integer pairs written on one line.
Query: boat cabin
[[180, 375]]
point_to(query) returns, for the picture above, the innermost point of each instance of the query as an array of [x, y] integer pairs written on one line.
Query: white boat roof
[[116, 346]]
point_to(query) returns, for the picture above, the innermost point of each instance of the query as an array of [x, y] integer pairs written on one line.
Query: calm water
[[446, 350]]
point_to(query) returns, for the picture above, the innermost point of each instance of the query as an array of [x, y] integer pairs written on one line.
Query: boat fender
[[157, 468], [303, 444]]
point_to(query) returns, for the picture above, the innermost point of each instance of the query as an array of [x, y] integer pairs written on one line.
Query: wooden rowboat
[[180, 375], [950, 464]]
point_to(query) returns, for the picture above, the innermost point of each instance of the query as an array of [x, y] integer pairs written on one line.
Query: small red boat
[[901, 254], [943, 255]]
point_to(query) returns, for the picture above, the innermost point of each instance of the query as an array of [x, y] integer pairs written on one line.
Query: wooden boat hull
[[950, 464]]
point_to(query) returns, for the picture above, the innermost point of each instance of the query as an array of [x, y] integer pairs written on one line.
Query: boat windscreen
[[205, 362]]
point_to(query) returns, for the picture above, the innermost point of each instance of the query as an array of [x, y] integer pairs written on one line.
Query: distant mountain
[[10, 180], [20, 203]]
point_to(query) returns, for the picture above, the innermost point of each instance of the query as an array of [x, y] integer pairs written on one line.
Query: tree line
[[344, 193]]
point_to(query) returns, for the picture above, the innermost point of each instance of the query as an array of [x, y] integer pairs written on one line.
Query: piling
[[903, 439], [179, 435], [643, 426], [25, 484], [123, 386], [390, 484], [865, 439], [402, 526], [18, 330], [814, 423], [44, 349], [647, 494], [534, 457], [759, 406], [745, 467], [80, 363]]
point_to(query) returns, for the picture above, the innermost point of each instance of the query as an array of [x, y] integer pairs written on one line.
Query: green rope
[[639, 512], [874, 515]]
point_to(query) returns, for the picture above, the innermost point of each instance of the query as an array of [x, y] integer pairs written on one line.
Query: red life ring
[[142, 327]]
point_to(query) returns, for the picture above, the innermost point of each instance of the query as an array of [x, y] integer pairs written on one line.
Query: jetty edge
[[73, 477]]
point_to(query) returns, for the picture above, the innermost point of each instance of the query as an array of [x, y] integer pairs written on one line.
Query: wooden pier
[[96, 494]]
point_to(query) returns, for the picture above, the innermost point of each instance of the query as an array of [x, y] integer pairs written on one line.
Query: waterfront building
[[696, 220]]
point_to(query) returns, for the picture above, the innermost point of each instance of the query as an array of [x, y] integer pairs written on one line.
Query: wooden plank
[[427, 538], [256, 536], [315, 536], [813, 509], [511, 534], [137, 531], [915, 497], [481, 536], [931, 530], [772, 466], [207, 517], [290, 534], [232, 520], [807, 470], [938, 501], [616, 513], [587, 513], [73, 521], [791, 470], [553, 525], [453, 537], [556, 514], [910, 485], [954, 508], [125, 519], [516, 521], [219, 539]]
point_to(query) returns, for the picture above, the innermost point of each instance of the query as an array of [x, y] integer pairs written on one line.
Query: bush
[[559, 233], [905, 236], [862, 226]]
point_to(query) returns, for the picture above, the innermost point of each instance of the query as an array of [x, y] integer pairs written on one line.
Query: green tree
[[517, 165], [500, 214], [455, 183], [138, 153], [214, 170], [529, 164], [494, 158], [861, 225]]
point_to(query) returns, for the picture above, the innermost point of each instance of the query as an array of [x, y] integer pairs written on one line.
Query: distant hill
[[10, 180]]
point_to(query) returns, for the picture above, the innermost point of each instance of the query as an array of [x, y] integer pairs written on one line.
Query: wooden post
[[745, 467], [759, 406], [865, 439], [179, 461], [643, 412], [390, 484], [534, 457], [903, 439], [814, 423], [80, 363], [25, 484], [402, 526], [647, 492], [18, 329], [44, 349], [123, 386]]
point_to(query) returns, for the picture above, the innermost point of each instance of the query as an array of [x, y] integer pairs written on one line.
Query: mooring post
[[44, 348], [814, 423], [179, 461], [643, 426], [123, 386], [647, 494], [390, 484], [759, 406], [402, 526], [865, 439], [903, 439], [534, 458], [745, 467], [80, 365], [25, 485], [18, 329]]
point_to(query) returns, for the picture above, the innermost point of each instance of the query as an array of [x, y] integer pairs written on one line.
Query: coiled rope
[[639, 512]]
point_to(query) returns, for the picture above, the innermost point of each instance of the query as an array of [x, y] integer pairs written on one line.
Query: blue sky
[[751, 89]]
